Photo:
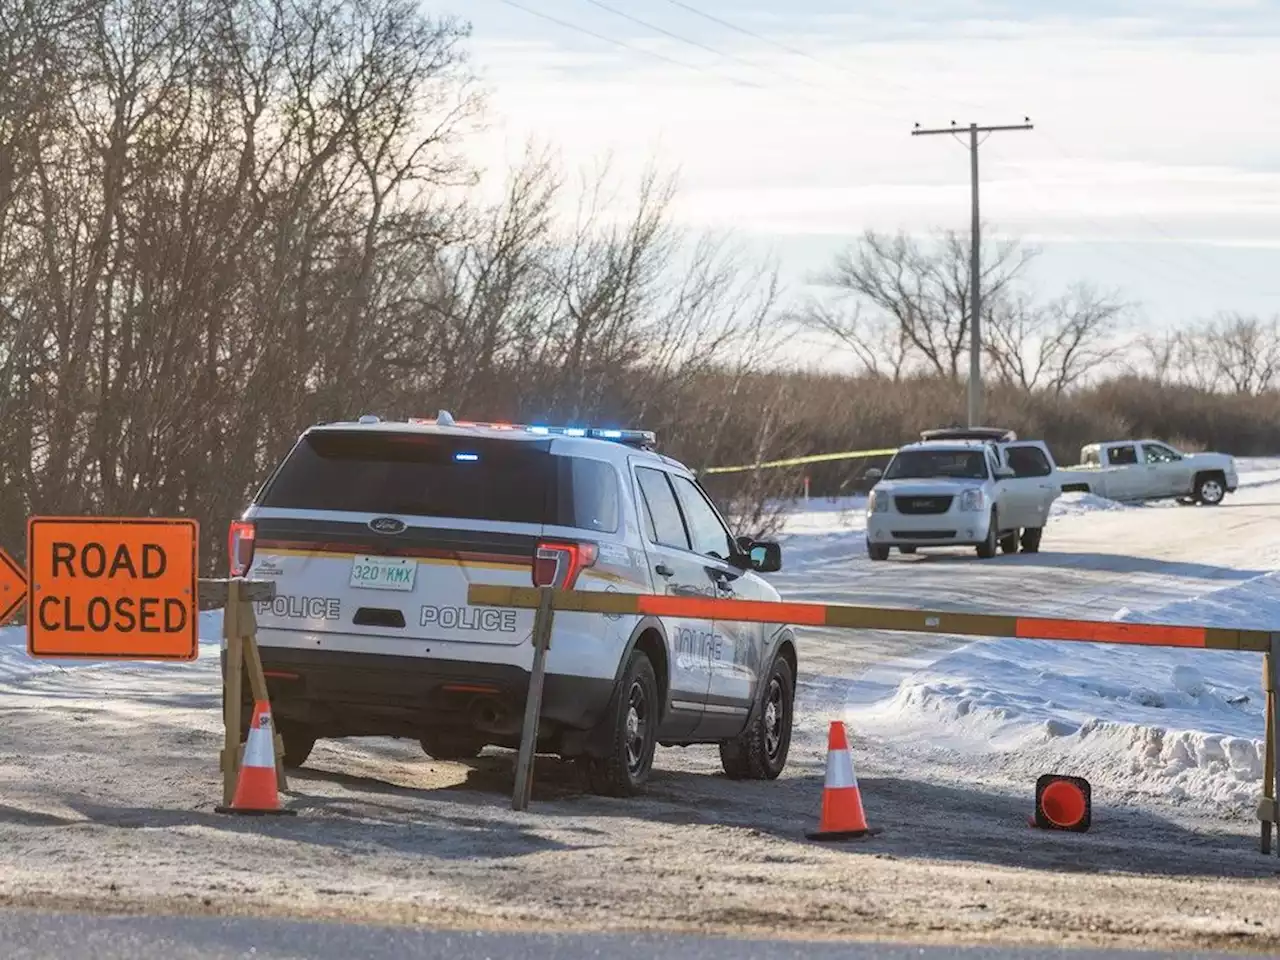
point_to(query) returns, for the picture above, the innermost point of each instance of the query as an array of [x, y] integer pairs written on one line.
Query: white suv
[[978, 487], [373, 531]]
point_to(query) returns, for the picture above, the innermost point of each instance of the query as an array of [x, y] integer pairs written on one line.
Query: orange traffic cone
[[842, 815], [256, 791]]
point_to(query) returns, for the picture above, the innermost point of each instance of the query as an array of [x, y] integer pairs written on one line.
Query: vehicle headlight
[[972, 499], [877, 503]]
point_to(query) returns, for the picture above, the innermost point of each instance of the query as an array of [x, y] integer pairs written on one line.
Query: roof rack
[[988, 434]]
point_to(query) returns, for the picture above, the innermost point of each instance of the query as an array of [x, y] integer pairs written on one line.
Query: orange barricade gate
[[547, 601]]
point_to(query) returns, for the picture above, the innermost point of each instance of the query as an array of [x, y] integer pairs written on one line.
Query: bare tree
[[1241, 352], [919, 298], [1054, 346]]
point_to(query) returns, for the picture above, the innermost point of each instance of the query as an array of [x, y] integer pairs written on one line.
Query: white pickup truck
[[1130, 470]]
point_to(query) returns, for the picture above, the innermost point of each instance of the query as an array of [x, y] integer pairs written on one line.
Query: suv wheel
[[1031, 539], [298, 738], [877, 551], [1009, 542], [633, 722], [1210, 489], [987, 549], [760, 751], [298, 742], [451, 746]]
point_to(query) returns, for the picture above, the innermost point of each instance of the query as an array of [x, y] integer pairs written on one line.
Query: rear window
[[448, 477]]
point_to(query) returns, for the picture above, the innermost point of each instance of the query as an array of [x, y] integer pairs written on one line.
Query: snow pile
[[1179, 724], [1075, 504], [16, 666]]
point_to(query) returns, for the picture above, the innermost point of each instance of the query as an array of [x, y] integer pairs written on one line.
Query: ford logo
[[387, 525]]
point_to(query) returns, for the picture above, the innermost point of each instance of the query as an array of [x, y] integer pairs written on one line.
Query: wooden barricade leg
[[1269, 808], [231, 694], [248, 624], [533, 701]]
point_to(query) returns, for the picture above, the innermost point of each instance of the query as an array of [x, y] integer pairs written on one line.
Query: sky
[[1153, 169]]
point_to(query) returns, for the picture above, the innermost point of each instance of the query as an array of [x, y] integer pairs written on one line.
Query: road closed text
[[100, 614], [113, 588]]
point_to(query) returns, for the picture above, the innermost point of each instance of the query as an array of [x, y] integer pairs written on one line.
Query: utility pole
[[975, 256]]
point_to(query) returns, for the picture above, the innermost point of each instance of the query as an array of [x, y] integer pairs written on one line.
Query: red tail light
[[240, 546], [558, 564]]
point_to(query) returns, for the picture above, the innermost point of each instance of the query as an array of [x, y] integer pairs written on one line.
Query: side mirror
[[874, 474], [766, 556], [1005, 473]]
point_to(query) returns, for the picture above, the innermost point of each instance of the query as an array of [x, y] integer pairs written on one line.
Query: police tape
[[801, 461], [876, 618]]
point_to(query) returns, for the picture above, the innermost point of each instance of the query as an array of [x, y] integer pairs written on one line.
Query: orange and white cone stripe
[[842, 815], [256, 789]]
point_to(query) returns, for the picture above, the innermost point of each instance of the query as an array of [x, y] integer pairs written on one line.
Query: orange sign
[[13, 587], [112, 589]]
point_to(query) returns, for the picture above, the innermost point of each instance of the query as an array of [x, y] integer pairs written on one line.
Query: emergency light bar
[[644, 439]]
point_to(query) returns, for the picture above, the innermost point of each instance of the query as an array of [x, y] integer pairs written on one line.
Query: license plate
[[383, 573]]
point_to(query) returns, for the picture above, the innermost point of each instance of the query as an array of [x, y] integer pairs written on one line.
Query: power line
[[626, 46], [744, 61], [796, 51], [975, 254]]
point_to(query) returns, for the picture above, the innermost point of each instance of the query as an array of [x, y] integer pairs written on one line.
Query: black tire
[[877, 551], [1031, 539], [451, 746], [907, 550], [632, 733], [298, 738], [987, 549], [298, 743], [760, 751], [1210, 489], [1009, 542]]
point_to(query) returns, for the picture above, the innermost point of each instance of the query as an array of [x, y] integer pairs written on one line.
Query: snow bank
[[1180, 724], [16, 666]]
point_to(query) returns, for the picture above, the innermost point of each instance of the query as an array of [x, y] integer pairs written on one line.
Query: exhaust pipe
[[487, 714]]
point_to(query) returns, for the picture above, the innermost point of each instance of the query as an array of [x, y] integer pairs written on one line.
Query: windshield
[[932, 464]]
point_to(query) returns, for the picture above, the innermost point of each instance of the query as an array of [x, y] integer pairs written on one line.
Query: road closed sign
[[112, 589]]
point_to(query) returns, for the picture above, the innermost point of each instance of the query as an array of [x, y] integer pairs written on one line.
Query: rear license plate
[[383, 573]]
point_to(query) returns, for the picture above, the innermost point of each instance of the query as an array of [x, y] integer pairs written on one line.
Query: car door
[[1032, 481], [1127, 479], [678, 572], [1171, 472], [737, 649]]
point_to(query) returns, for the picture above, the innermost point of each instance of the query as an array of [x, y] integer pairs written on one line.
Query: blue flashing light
[[610, 434], [466, 457], [574, 432], [542, 431]]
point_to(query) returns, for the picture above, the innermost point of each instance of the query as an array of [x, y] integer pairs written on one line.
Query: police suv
[[372, 532]]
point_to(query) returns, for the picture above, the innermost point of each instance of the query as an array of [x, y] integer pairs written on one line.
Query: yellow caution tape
[[800, 461]]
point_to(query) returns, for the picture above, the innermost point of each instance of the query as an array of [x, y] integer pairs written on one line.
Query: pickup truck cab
[[1134, 470], [979, 487]]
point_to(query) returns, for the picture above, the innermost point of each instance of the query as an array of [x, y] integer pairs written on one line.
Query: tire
[[1031, 539], [1009, 542], [298, 743], [907, 550], [632, 735], [877, 551], [1210, 489], [298, 739], [760, 751], [987, 549], [451, 746]]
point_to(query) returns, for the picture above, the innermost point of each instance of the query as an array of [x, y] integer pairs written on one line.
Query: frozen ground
[[108, 774]]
